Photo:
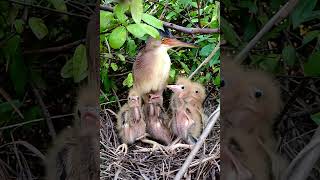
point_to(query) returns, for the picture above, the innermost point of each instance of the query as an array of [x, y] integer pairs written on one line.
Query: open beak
[[175, 88], [135, 100], [176, 43]]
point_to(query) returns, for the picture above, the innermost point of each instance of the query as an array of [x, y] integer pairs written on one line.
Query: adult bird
[[152, 65]]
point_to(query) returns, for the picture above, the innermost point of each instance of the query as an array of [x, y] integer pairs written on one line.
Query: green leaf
[[289, 55], [106, 19], [206, 50], [136, 10], [17, 68], [185, 67], [172, 73], [131, 47], [114, 66], [18, 24], [7, 107], [250, 5], [229, 34], [217, 81], [120, 10], [152, 21], [151, 31], [59, 5], [80, 63], [128, 81], [215, 59], [311, 68], [310, 36], [302, 12], [66, 71], [316, 118], [38, 27], [121, 57], [118, 37], [136, 30]]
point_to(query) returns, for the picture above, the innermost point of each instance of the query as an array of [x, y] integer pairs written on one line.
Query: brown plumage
[[250, 101], [130, 120], [157, 120], [187, 111], [75, 152], [152, 65]]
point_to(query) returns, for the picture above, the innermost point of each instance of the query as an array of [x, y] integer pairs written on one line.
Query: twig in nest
[[281, 14], [213, 52], [211, 121], [45, 112]]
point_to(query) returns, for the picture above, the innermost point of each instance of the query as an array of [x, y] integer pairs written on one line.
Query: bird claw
[[123, 148], [156, 146]]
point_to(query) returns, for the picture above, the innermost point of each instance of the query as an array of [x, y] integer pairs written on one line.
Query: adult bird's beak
[[171, 42]]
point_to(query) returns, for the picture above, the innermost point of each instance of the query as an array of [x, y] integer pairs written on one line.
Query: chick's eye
[[182, 87], [258, 93], [197, 91]]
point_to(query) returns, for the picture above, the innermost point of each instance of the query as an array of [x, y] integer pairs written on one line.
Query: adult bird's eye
[[258, 93], [222, 83]]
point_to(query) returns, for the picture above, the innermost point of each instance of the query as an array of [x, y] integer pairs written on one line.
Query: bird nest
[[141, 163]]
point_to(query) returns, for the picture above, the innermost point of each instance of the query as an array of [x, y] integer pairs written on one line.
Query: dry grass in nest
[[156, 165]]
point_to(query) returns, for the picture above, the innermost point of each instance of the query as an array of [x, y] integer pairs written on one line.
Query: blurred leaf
[[120, 10], [152, 21], [289, 55], [114, 66], [215, 59], [107, 83], [121, 57], [250, 5], [312, 66], [7, 107], [59, 5], [136, 30], [310, 36], [128, 81], [118, 37], [302, 12], [184, 2], [136, 10], [316, 118], [32, 113], [106, 19], [38, 27], [80, 63], [229, 34], [250, 30], [66, 71], [17, 67], [18, 24], [206, 50], [131, 47], [172, 73], [185, 67], [270, 62], [217, 81], [151, 31]]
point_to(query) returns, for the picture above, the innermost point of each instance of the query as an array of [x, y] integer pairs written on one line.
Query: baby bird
[[152, 65], [186, 106], [75, 152], [130, 121], [157, 120]]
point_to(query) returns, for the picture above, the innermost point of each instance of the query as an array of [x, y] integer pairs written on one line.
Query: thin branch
[[49, 9], [176, 27], [33, 121], [281, 14], [55, 49], [45, 112], [7, 97], [212, 120], [213, 52]]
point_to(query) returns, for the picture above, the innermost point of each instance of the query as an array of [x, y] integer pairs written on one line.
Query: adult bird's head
[[166, 43]]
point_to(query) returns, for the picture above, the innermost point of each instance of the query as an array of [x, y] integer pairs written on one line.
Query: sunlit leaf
[[136, 30], [114, 66], [128, 81], [120, 10], [151, 20], [118, 37], [106, 19], [151, 31], [38, 27], [136, 10]]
